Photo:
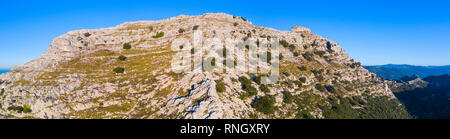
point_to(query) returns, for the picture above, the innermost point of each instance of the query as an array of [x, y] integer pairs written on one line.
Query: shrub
[[122, 58], [220, 86], [352, 101], [354, 65], [302, 68], [320, 78], [281, 56], [349, 88], [384, 108], [243, 18], [234, 80], [257, 79], [87, 34], [27, 108], [18, 109], [288, 83], [302, 79], [126, 46], [287, 73], [342, 110], [265, 104], [284, 43], [298, 83], [320, 87], [247, 86], [213, 61], [303, 115], [150, 28], [235, 24], [269, 57], [308, 56], [317, 72], [251, 91], [181, 30], [119, 70], [264, 88], [305, 46], [291, 47], [320, 53], [374, 108], [245, 82], [296, 54], [159, 35], [287, 97], [195, 27], [330, 88], [359, 100], [329, 47]]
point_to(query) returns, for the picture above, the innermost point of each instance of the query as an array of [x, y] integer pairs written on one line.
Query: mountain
[[3, 71], [134, 70], [426, 98], [395, 72]]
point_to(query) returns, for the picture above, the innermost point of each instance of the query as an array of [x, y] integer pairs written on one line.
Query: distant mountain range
[[395, 72], [4, 70]]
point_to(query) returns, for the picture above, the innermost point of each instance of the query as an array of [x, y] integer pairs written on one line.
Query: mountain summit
[[127, 72]]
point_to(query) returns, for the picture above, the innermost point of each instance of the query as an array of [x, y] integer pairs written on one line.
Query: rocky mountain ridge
[[125, 72]]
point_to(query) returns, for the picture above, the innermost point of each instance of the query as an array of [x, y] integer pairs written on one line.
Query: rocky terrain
[[125, 72], [427, 98]]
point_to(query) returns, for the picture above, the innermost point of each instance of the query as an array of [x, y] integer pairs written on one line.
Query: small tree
[[119, 70], [126, 46]]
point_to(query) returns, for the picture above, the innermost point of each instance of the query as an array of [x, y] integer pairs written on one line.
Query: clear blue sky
[[373, 32]]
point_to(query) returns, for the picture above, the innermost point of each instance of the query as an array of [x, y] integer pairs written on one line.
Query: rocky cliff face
[[75, 77]]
